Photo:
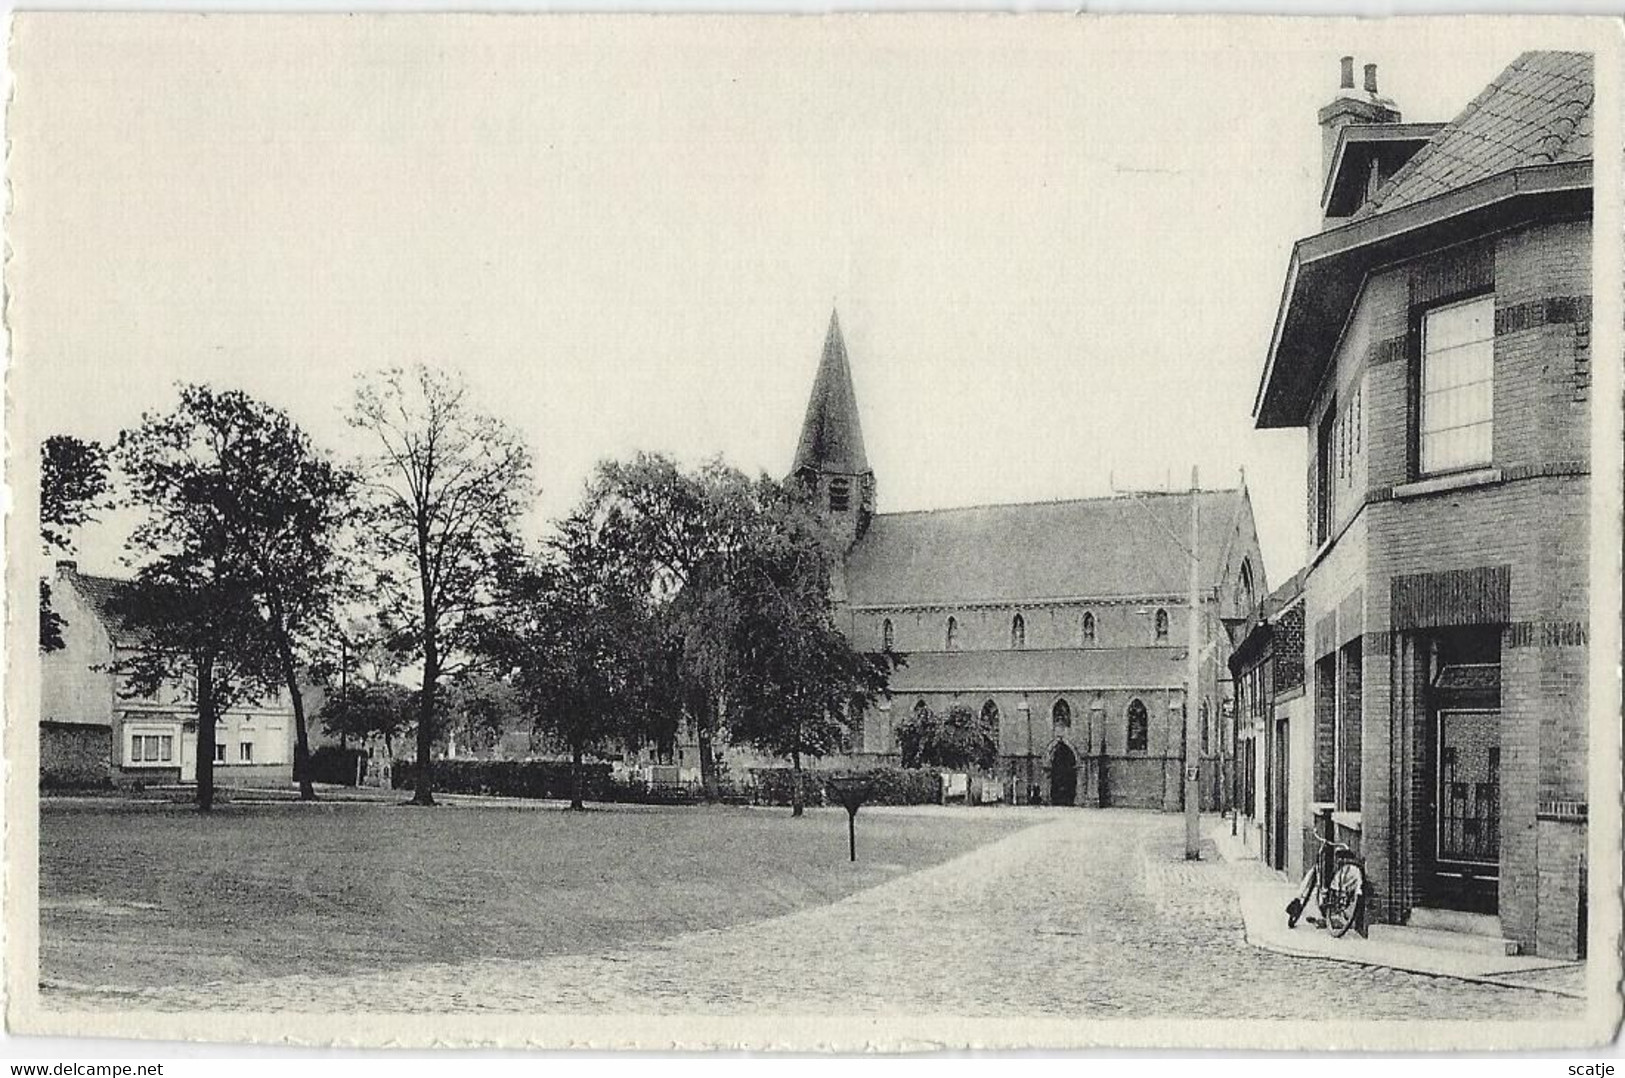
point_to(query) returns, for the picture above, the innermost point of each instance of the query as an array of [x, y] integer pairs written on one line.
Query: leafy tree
[[279, 507], [576, 631], [73, 486], [447, 485], [957, 740], [477, 710], [802, 683], [382, 709], [197, 619]]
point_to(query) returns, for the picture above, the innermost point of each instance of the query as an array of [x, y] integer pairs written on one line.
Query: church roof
[[1091, 548], [831, 437], [1537, 111], [1040, 670]]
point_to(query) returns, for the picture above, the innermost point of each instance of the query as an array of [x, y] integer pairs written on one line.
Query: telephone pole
[[1193, 837]]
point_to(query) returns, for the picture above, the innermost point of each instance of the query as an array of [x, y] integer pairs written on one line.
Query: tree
[[958, 740], [802, 683], [575, 631], [280, 507], [73, 485], [448, 484], [381, 709]]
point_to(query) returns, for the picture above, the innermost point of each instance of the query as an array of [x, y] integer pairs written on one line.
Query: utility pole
[[1193, 837]]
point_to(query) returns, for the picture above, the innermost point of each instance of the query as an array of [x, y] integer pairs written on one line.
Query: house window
[[1162, 626], [1061, 715], [840, 495], [990, 723], [1325, 488], [1088, 628], [886, 635], [1018, 632], [1455, 395], [952, 638], [219, 752], [152, 748], [1139, 726], [245, 752]]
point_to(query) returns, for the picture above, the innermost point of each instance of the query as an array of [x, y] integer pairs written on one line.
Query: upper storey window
[[951, 637], [888, 635], [1088, 628], [1455, 422], [1018, 632], [1162, 626]]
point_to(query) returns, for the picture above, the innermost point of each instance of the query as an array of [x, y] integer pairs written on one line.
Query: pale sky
[[1057, 246]]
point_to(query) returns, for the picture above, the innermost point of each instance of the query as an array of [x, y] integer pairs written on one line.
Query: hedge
[[331, 764], [887, 786], [510, 778]]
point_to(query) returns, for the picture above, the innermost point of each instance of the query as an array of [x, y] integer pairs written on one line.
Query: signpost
[[852, 791]]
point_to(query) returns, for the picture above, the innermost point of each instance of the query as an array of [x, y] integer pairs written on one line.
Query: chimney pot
[[1348, 73], [1370, 78]]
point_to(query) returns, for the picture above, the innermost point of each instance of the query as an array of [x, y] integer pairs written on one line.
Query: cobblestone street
[[1084, 914]]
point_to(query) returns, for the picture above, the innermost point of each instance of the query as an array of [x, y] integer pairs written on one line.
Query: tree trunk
[[578, 780], [301, 734], [424, 794], [798, 802], [706, 732], [205, 734]]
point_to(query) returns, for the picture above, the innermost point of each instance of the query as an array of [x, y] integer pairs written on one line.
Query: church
[[1063, 623]]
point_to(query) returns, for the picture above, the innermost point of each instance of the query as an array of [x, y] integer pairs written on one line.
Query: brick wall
[[1534, 522]]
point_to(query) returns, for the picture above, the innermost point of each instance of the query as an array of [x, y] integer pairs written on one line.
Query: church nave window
[[1139, 726]]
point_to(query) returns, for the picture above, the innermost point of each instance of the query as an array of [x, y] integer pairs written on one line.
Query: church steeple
[[830, 456]]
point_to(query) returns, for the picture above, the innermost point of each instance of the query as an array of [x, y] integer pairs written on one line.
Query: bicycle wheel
[[1341, 897]]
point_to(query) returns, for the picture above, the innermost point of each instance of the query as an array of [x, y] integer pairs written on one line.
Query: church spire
[[831, 438]]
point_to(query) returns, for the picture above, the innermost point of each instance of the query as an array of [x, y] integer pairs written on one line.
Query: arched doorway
[[1063, 776]]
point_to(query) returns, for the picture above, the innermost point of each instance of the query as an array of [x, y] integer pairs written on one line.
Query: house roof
[[1091, 548], [1521, 151], [831, 437], [1536, 112], [103, 594], [1040, 670]]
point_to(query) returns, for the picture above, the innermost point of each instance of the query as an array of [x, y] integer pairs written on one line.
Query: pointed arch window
[[951, 637], [1061, 715], [1139, 726], [1162, 626], [887, 635], [990, 723], [1018, 632], [1244, 584], [1088, 628]]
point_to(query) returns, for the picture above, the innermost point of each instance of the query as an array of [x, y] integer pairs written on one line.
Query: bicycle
[[1337, 883]]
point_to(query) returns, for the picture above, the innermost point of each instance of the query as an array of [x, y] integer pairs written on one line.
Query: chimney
[[67, 567], [1352, 106]]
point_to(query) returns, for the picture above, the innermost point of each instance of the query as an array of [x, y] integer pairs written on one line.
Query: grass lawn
[[136, 895]]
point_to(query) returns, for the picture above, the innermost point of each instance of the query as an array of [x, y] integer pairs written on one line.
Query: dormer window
[[840, 495]]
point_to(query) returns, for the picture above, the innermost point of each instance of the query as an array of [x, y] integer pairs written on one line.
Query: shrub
[[510, 778]]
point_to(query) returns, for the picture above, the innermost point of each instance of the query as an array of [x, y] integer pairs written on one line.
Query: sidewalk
[[1264, 893]]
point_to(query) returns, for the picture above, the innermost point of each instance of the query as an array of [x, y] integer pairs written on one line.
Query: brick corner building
[[1434, 341]]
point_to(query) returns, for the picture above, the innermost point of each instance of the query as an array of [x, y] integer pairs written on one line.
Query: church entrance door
[[1063, 776]]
